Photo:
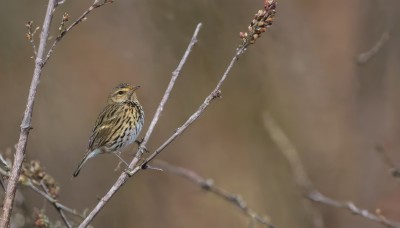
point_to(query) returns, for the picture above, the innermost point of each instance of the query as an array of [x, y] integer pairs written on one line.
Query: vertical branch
[[26, 122]]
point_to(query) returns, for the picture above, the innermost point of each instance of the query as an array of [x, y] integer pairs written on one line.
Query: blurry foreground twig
[[208, 185], [301, 178], [364, 57]]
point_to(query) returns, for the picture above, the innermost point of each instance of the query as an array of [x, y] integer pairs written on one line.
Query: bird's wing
[[104, 126]]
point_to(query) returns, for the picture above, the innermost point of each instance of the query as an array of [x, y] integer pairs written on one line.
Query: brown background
[[303, 71]]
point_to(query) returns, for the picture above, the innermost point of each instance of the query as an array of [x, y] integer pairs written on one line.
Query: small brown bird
[[118, 125]]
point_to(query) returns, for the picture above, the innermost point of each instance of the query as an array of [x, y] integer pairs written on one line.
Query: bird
[[117, 126]]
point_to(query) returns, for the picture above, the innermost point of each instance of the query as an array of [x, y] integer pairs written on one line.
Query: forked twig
[[208, 185], [40, 61], [262, 20], [82, 18], [125, 175]]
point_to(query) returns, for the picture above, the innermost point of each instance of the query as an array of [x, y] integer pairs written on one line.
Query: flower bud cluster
[[262, 20]]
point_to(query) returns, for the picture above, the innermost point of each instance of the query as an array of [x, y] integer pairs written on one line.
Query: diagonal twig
[[82, 18], [208, 185], [216, 93], [302, 179], [366, 56], [60, 211], [351, 207], [394, 171], [124, 176]]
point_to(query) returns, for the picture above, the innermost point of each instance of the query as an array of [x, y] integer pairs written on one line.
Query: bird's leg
[[139, 142]]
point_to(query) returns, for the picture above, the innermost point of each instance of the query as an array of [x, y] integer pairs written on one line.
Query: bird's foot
[[139, 142]]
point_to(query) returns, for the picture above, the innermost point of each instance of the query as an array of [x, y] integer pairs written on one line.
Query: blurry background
[[303, 71]]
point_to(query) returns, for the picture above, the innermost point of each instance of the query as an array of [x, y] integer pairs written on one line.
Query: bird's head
[[122, 93]]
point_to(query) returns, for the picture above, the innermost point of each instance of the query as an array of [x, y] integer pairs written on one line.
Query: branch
[[208, 185], [82, 18], [300, 175], [301, 178], [45, 194], [262, 20], [216, 93], [394, 171], [379, 218], [27, 119], [52, 201], [124, 176], [364, 57]]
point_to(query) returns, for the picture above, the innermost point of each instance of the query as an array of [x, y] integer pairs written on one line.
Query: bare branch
[[82, 18], [394, 171], [216, 93], [364, 57], [264, 20], [320, 198], [301, 178], [165, 98], [300, 175], [26, 122], [124, 176], [208, 185], [60, 211]]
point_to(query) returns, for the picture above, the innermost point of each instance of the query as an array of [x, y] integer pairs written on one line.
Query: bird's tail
[[87, 156]]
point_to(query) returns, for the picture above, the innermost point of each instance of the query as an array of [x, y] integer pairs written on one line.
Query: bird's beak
[[136, 88]]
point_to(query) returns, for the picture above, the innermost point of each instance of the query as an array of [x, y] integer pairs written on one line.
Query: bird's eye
[[121, 92]]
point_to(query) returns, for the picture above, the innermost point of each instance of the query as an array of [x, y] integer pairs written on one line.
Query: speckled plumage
[[118, 125]]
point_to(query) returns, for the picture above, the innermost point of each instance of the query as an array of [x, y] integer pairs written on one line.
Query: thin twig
[[82, 18], [364, 57], [46, 194], [350, 206], [208, 185], [124, 176], [216, 93], [27, 119], [165, 98], [60, 211], [299, 173], [291, 154], [394, 171]]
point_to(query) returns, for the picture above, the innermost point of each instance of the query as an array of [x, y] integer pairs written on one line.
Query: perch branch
[[208, 185], [124, 176], [216, 93], [301, 178], [27, 119], [262, 20]]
